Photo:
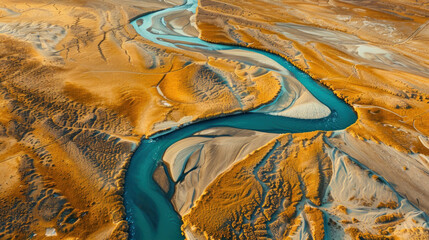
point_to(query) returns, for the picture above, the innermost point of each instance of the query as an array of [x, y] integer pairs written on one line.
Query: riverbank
[[189, 152]]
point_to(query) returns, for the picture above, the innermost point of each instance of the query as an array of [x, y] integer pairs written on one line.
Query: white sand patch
[[423, 160], [369, 51], [343, 18], [44, 37], [303, 231], [259, 59], [178, 154], [186, 119], [205, 156], [165, 103], [363, 51], [305, 107], [356, 189], [305, 34], [175, 2], [424, 140], [171, 124], [351, 186], [193, 22], [50, 232], [191, 234], [6, 12], [385, 29], [377, 156]]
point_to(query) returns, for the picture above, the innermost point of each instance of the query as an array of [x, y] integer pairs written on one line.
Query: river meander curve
[[149, 211]]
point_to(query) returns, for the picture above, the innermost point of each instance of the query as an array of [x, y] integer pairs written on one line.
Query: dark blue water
[[149, 211]]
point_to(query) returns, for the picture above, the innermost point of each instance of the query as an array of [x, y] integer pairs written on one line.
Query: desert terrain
[[81, 85], [371, 54]]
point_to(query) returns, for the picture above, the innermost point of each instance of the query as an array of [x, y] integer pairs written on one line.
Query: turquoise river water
[[149, 211]]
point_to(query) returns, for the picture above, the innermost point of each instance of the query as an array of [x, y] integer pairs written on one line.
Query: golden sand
[[76, 98], [79, 89], [373, 57]]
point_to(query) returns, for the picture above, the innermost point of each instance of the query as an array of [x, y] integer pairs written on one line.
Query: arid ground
[[79, 88]]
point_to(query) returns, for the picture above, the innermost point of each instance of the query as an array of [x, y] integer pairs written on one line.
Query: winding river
[[149, 211]]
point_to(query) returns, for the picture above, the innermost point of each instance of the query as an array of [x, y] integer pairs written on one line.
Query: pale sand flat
[[202, 159]]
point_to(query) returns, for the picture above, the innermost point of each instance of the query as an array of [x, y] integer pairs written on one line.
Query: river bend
[[149, 211]]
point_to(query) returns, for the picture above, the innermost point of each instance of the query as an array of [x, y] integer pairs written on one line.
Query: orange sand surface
[[79, 88], [372, 54]]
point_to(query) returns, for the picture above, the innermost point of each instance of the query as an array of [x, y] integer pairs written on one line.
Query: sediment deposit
[[374, 57], [79, 87], [300, 186]]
